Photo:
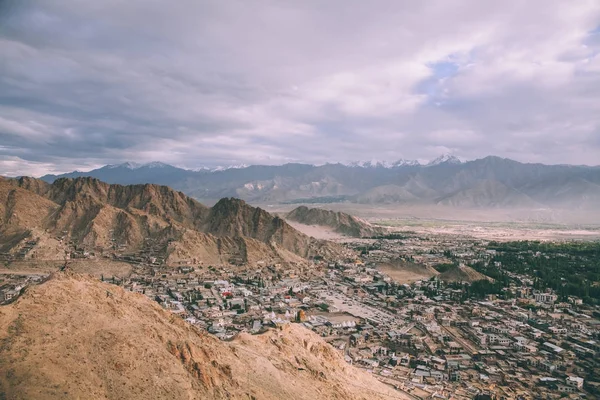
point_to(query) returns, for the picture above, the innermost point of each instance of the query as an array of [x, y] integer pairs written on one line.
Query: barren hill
[[340, 222], [74, 338], [462, 273], [407, 272], [145, 218]]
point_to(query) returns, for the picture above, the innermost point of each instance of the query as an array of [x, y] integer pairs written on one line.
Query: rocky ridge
[[97, 215]]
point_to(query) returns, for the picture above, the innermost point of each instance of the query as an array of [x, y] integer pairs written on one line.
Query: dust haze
[[485, 223]]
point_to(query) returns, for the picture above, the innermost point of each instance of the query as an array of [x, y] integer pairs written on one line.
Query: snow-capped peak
[[222, 168], [382, 164], [219, 168], [445, 159], [155, 164], [134, 165], [128, 164], [405, 163], [368, 164]]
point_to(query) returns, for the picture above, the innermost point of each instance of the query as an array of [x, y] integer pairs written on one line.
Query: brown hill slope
[[234, 217], [35, 185], [462, 273], [406, 272], [76, 338], [21, 208], [340, 222], [160, 201], [106, 217]]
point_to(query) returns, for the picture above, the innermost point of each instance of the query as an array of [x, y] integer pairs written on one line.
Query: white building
[[575, 381]]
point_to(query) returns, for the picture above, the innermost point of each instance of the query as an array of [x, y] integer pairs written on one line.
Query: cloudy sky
[[206, 83]]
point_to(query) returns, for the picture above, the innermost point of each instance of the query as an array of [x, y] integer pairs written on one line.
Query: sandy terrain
[[374, 212], [96, 268], [316, 231], [403, 272], [462, 273], [491, 231]]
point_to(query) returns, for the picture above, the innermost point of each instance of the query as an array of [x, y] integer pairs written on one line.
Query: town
[[506, 337]]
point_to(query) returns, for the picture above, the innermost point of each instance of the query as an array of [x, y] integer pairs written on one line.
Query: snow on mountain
[[155, 164], [368, 164], [445, 159], [134, 165], [128, 165], [406, 163], [382, 163], [222, 168]]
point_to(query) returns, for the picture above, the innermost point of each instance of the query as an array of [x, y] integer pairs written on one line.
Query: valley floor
[[490, 224]]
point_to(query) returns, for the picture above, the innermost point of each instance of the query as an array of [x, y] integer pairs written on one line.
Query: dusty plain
[[491, 224]]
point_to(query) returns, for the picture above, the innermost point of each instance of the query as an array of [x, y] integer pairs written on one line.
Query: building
[[545, 298], [575, 381]]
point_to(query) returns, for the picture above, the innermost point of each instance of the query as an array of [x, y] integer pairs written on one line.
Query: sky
[[211, 83]]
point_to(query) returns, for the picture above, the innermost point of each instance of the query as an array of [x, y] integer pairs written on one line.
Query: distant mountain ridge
[[487, 182]]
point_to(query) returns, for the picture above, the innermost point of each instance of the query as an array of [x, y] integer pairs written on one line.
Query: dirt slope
[[74, 337], [406, 272], [462, 273], [340, 222]]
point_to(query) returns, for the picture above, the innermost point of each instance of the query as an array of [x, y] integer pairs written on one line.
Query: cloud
[[215, 83]]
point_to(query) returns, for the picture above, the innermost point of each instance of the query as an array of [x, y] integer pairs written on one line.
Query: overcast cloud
[[206, 83]]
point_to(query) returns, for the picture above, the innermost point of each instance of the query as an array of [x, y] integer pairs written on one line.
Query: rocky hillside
[[340, 222], [76, 338], [102, 217]]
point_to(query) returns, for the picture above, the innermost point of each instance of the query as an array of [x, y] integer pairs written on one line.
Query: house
[[10, 294], [566, 388], [520, 340], [256, 326], [575, 381], [547, 298], [356, 339], [554, 348]]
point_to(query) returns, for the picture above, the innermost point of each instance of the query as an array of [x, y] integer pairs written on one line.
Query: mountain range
[[486, 182], [147, 220]]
